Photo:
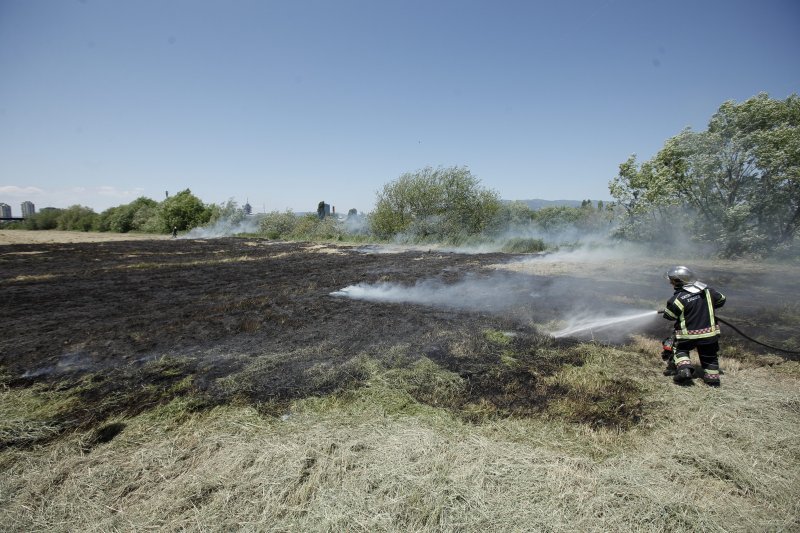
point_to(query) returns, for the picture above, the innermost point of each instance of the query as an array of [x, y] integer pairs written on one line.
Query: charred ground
[[124, 326]]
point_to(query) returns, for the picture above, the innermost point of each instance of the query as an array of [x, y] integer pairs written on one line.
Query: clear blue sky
[[287, 103]]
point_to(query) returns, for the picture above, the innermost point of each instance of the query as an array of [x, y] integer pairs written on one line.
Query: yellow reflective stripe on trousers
[[681, 359]]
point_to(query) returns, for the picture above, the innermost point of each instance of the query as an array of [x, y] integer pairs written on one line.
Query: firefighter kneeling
[[692, 308]]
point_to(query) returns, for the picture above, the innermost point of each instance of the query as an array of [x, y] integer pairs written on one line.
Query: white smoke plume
[[225, 227], [548, 305], [601, 293], [492, 293]]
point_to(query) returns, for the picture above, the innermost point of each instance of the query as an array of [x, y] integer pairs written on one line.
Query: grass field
[[376, 459], [448, 423]]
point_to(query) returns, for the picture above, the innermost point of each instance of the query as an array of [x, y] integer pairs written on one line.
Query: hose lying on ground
[[751, 339]]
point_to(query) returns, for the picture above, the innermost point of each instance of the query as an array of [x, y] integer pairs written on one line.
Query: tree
[[184, 211], [77, 218], [442, 203], [229, 211], [277, 225], [46, 218], [741, 177], [649, 205], [129, 217], [513, 216], [585, 219]]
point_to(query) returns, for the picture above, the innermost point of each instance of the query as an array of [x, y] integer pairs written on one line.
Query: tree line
[[735, 184], [182, 211]]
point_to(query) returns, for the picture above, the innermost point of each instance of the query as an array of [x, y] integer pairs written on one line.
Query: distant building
[[323, 210], [247, 208], [28, 209], [5, 211]]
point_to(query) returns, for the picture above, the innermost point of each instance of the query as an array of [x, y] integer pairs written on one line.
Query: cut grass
[[397, 454]]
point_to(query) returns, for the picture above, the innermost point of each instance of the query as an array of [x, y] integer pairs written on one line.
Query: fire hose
[[751, 339]]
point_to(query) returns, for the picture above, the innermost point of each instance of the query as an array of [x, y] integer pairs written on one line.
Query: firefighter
[[692, 309]]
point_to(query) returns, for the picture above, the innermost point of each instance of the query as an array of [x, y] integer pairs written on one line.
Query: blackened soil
[[124, 326], [101, 306]]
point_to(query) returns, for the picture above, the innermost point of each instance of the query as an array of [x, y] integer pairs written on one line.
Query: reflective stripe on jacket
[[692, 308]]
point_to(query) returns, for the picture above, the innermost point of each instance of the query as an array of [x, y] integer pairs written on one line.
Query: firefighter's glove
[[668, 350]]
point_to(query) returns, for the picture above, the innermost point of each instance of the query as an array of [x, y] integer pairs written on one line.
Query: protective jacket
[[692, 308]]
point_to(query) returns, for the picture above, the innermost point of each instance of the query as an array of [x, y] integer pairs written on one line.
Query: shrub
[[434, 204], [522, 245], [77, 218], [277, 225]]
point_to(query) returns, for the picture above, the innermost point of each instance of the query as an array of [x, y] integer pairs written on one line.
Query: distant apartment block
[[28, 209], [5, 211]]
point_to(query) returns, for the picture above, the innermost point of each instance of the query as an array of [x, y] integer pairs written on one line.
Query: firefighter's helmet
[[680, 276]]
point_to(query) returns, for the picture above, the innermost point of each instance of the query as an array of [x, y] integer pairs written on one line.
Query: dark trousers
[[705, 349]]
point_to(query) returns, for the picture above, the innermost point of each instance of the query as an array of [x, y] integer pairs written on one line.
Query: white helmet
[[680, 276]]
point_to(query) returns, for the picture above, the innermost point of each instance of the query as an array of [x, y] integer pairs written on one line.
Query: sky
[[283, 104]]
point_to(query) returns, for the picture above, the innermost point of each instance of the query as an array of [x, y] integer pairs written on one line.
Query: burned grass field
[[129, 325], [238, 356]]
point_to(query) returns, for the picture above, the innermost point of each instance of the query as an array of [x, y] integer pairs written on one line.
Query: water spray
[[481, 293], [599, 324]]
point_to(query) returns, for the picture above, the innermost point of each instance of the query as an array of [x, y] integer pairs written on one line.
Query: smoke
[[557, 304], [225, 227], [68, 362], [429, 232], [356, 224], [601, 292], [495, 293]]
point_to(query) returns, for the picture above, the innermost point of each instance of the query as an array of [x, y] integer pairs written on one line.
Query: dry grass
[[19, 236], [377, 459], [24, 278]]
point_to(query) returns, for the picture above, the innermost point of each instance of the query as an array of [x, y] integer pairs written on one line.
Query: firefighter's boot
[[671, 369], [684, 371], [711, 375]]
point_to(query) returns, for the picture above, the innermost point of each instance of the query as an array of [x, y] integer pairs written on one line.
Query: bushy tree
[[278, 225], [77, 218], [129, 217], [311, 227], [184, 211], [577, 220], [559, 218], [229, 211], [513, 215], [736, 183], [46, 218], [147, 218], [441, 204]]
